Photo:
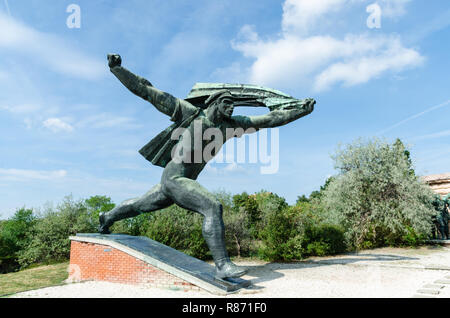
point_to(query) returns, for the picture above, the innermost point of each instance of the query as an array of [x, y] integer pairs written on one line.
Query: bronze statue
[[209, 107], [443, 218]]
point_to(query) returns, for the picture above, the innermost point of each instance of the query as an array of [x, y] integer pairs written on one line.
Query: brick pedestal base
[[89, 261]]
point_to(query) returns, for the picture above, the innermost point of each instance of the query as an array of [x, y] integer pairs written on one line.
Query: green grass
[[33, 278]]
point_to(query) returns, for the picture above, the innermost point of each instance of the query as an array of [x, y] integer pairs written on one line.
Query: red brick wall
[[89, 261]]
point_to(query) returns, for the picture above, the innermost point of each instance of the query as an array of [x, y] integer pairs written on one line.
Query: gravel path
[[386, 272]]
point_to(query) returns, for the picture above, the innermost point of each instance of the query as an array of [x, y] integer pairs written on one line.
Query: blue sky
[[68, 126]]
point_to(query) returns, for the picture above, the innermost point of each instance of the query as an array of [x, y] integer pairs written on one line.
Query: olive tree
[[376, 195]]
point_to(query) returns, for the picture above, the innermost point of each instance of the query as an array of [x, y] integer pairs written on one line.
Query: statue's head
[[223, 102]]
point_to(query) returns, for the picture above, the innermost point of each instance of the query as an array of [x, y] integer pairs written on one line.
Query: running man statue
[[178, 182]]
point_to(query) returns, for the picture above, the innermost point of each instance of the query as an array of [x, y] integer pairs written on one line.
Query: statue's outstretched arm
[[141, 87], [276, 117]]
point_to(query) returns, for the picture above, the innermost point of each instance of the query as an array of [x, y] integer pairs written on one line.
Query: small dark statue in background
[[208, 106], [440, 220]]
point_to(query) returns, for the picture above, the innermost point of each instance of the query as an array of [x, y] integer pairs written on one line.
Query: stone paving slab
[[442, 281], [428, 291], [434, 286], [422, 296]]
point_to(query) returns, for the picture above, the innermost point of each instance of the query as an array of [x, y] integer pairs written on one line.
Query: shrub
[[319, 237], [412, 238], [281, 240], [268, 203], [238, 233], [324, 239], [13, 237], [95, 205], [136, 226], [49, 238], [376, 196], [246, 210]]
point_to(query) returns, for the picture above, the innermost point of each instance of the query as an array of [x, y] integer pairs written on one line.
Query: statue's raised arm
[[277, 117], [283, 107], [164, 102]]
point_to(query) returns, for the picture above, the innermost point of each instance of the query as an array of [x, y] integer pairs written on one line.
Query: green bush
[[136, 226], [238, 233], [48, 240], [281, 240], [247, 204], [268, 203], [95, 205], [324, 239], [14, 237], [293, 232], [376, 197], [412, 238]]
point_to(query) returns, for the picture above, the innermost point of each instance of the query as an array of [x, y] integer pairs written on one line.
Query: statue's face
[[226, 107]]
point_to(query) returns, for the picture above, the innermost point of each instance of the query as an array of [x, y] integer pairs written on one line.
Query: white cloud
[[229, 74], [55, 53], [23, 175], [393, 8], [57, 125], [106, 120], [21, 109], [234, 167], [440, 134], [320, 61], [300, 15], [222, 169], [360, 70]]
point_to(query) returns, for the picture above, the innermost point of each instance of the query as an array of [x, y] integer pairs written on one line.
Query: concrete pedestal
[[140, 260]]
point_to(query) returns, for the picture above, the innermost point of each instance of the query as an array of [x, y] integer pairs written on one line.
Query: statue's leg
[[189, 194], [153, 200], [441, 230], [446, 232]]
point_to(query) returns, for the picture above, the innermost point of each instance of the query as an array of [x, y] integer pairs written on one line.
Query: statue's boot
[[104, 227], [229, 270], [120, 212], [442, 232], [224, 266]]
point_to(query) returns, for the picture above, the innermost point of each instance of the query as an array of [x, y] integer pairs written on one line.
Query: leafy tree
[[317, 195], [250, 214], [281, 240], [95, 205], [49, 239], [376, 196], [14, 236], [398, 144], [302, 199]]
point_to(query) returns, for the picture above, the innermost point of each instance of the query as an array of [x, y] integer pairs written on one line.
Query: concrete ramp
[[155, 254]]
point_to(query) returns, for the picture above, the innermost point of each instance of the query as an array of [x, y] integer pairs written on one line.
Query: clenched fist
[[114, 60], [308, 104]]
